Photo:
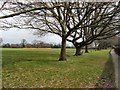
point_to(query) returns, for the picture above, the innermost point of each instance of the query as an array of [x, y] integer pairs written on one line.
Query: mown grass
[[37, 68]]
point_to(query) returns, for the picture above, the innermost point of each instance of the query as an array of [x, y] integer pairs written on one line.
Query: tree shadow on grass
[[107, 78]]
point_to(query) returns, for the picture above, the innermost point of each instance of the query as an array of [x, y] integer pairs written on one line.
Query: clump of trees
[[78, 22]]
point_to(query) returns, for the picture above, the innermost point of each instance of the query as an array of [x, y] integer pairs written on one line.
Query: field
[[38, 68]]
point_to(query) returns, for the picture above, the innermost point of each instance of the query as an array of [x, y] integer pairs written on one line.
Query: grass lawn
[[37, 68]]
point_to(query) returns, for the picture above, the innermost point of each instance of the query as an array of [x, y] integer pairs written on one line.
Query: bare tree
[[102, 23], [52, 18], [23, 43], [42, 13]]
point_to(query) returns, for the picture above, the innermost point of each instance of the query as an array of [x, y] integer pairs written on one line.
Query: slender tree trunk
[[78, 51], [63, 50], [86, 49]]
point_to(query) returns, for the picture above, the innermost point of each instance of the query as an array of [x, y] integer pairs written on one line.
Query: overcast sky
[[15, 36]]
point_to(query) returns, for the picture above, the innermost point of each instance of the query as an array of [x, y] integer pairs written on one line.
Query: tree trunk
[[86, 49], [63, 50], [63, 46], [78, 51]]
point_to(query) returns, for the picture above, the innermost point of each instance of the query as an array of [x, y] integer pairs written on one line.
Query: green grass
[[37, 68]]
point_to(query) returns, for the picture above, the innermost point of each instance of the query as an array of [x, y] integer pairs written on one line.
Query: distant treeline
[[98, 45], [34, 45]]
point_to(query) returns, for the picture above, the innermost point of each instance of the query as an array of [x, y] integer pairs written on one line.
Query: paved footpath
[[116, 62]]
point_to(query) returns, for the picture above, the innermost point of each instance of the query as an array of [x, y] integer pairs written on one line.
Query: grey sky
[[15, 36]]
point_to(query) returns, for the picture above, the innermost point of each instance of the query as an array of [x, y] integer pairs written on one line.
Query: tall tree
[[49, 17], [102, 23]]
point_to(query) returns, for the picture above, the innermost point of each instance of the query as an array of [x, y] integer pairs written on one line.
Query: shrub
[[117, 50]]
